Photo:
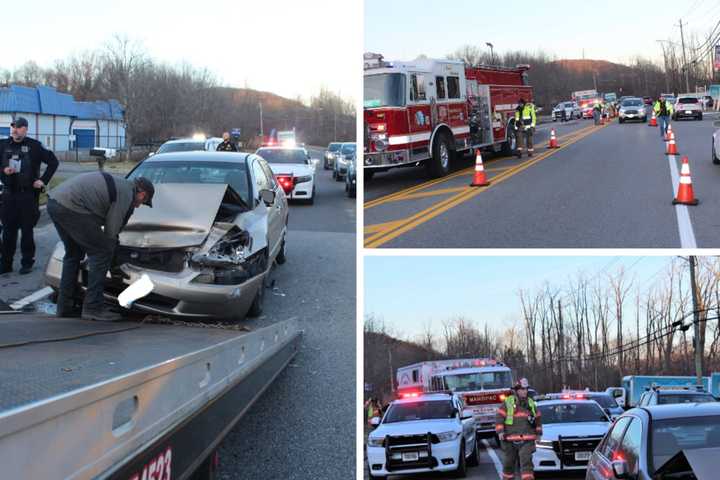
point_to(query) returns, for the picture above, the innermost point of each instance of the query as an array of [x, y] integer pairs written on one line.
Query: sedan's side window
[[268, 172], [631, 443], [261, 180], [612, 441]]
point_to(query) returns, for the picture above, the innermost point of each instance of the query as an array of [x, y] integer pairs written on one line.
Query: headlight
[[376, 441], [544, 444], [448, 436], [303, 179]]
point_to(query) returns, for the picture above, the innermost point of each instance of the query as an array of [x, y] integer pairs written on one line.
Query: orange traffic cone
[[685, 194], [653, 121], [671, 147], [553, 141], [668, 133], [479, 179]]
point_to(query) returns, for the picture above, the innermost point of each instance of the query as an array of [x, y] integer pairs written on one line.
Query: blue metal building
[[61, 123]]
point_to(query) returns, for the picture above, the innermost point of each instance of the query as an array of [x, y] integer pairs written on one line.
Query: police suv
[[422, 432]]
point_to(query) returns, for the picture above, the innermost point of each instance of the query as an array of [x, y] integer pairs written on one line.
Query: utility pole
[[685, 65], [562, 346], [262, 133], [335, 124], [392, 382], [696, 323]]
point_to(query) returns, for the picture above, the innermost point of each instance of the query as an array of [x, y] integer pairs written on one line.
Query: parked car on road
[[351, 180], [293, 169], [660, 441], [422, 433], [687, 107], [604, 399], [329, 157], [571, 109], [217, 226], [632, 109], [190, 144], [665, 395], [572, 428], [343, 159]]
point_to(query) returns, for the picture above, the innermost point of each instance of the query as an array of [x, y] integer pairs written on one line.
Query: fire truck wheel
[[461, 471], [439, 165], [473, 459], [508, 148]]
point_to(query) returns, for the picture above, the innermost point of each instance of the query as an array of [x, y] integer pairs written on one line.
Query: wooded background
[[588, 331]]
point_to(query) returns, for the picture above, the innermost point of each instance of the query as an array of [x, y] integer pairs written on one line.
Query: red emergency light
[[287, 182]]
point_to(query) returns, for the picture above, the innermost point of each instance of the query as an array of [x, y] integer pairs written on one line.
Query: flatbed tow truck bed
[[134, 401]]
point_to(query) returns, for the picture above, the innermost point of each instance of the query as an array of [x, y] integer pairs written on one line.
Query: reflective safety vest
[[510, 408], [527, 114]]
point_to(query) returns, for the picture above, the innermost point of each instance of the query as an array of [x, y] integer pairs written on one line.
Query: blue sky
[[287, 47], [403, 29], [407, 292]]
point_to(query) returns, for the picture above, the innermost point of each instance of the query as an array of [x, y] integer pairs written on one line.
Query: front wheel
[[461, 471], [714, 155], [282, 255], [439, 165], [473, 460], [510, 145]]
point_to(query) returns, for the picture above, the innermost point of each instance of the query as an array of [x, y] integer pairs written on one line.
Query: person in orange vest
[[518, 425]]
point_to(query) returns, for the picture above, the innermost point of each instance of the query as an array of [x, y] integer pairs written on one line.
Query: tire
[[461, 471], [714, 155], [352, 193], [338, 177], [508, 147], [281, 257], [311, 200], [325, 165], [439, 165], [620, 120], [474, 460], [700, 117]]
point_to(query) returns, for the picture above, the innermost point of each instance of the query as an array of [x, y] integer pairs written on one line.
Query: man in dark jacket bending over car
[[89, 211]]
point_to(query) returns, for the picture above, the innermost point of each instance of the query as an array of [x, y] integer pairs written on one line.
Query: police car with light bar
[[422, 432], [572, 429], [293, 169]]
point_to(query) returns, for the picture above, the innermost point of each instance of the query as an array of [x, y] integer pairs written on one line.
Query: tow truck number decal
[[157, 469]]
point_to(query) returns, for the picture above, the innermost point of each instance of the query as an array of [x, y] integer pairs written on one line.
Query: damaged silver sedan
[[217, 227]]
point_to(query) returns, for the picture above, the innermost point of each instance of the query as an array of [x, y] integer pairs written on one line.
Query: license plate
[[413, 457], [688, 112], [582, 456]]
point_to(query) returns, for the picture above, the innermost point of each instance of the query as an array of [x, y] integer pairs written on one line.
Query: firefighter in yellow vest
[[525, 120], [518, 425]]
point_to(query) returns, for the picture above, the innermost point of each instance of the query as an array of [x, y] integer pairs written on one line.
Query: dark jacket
[[226, 147], [88, 194], [31, 154]]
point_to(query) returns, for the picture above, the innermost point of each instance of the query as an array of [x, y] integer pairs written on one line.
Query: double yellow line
[[398, 227]]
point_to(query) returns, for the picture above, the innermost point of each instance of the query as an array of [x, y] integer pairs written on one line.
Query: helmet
[[521, 384]]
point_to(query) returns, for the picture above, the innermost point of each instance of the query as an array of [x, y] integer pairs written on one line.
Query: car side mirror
[[267, 196], [620, 470], [374, 422]]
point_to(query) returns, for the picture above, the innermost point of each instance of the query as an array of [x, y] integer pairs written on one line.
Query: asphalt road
[[606, 187], [489, 468], [312, 403]]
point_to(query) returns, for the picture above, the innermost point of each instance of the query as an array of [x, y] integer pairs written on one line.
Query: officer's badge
[[24, 149]]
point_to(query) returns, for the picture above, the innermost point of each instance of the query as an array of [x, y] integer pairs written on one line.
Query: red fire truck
[[483, 383], [431, 110]]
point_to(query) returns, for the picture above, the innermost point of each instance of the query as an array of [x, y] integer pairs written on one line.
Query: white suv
[[422, 433]]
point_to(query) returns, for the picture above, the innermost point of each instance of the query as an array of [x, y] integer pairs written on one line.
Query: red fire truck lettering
[[157, 469]]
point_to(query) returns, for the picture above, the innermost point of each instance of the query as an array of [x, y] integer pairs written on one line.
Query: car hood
[[418, 427], [583, 429], [294, 169], [182, 216]]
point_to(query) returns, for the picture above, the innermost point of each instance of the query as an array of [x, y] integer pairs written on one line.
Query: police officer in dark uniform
[[227, 144], [20, 159]]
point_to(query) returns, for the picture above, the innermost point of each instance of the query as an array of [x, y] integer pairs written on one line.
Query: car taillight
[[287, 182]]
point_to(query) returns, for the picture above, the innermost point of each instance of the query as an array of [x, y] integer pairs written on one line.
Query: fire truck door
[[485, 114]]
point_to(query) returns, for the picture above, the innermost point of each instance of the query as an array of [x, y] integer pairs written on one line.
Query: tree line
[[589, 331], [554, 80], [162, 101]]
